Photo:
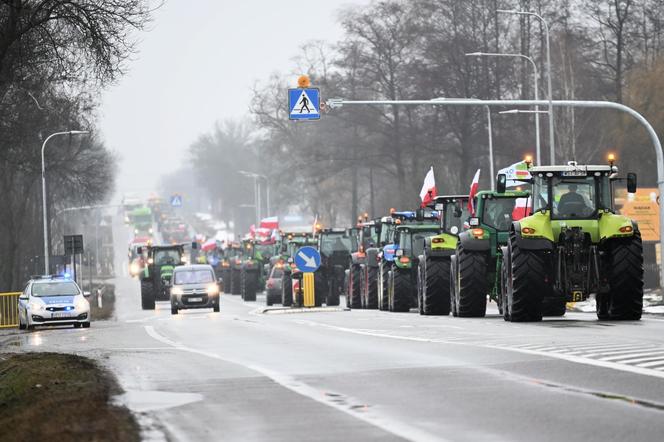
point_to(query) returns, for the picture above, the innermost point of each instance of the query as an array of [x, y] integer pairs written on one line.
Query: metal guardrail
[[9, 309]]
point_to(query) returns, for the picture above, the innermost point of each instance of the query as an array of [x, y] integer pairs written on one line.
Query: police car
[[53, 300]]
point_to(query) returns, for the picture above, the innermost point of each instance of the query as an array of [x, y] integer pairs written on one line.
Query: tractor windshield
[[500, 212], [456, 213], [412, 243], [574, 197], [167, 257], [331, 243]]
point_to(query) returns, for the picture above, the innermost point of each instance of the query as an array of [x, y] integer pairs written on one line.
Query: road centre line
[[369, 416]]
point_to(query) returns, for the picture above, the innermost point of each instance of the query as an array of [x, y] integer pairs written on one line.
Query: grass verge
[[49, 396]]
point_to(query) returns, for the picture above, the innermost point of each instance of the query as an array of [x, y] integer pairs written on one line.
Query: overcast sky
[[196, 66]]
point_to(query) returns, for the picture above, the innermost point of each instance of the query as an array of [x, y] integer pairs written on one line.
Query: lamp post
[[536, 75], [552, 149], [257, 193], [43, 174]]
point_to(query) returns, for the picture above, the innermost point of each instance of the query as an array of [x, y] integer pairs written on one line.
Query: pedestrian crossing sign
[[304, 104]]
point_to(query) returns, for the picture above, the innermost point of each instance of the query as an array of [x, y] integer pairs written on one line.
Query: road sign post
[[307, 260], [176, 200]]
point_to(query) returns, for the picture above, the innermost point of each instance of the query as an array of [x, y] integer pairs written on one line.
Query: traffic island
[[289, 310], [49, 396]]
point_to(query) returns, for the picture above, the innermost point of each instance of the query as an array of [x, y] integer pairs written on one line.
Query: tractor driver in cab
[[498, 213], [574, 203]]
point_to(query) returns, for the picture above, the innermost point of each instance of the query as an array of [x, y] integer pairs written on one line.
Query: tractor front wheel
[[436, 287], [286, 290], [529, 282], [147, 295], [472, 287], [400, 291]]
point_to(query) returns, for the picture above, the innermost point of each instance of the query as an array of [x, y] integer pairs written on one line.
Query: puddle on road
[[142, 401]]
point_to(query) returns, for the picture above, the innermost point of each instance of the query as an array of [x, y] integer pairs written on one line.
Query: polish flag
[[521, 208], [474, 186], [428, 192]]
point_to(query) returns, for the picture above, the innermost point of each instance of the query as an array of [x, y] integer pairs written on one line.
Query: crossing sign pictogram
[[304, 104]]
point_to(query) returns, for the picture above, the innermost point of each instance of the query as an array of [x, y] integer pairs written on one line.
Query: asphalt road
[[365, 375]]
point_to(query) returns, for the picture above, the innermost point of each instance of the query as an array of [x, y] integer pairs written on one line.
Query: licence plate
[[574, 173], [62, 315], [195, 299]]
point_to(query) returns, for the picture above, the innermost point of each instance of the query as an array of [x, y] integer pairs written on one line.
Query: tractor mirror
[[631, 183], [501, 183], [474, 222], [139, 250], [194, 245]]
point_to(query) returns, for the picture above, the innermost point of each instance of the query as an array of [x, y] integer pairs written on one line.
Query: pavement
[[248, 373]]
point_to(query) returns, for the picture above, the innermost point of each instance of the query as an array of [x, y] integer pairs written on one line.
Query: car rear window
[[54, 289], [193, 276]]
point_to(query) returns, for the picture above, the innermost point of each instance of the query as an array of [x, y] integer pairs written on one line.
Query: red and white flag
[[474, 186], [521, 208], [429, 191]]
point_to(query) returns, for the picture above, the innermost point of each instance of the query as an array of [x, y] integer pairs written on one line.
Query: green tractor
[[573, 245], [141, 219], [252, 273], [230, 254], [335, 247], [476, 264], [156, 279], [402, 278], [433, 272]]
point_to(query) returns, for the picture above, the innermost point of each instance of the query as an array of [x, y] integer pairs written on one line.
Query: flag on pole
[[521, 208], [429, 191], [474, 186], [515, 173]]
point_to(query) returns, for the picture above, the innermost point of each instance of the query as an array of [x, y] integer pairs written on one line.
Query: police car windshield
[[193, 276], [60, 288]]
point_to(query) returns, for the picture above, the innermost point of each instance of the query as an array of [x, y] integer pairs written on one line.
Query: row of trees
[[55, 56], [371, 158]]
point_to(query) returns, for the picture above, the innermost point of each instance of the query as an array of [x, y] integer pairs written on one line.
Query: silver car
[[52, 300], [194, 286]]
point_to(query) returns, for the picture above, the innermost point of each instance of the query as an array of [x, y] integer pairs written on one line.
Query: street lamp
[[552, 149], [43, 174], [536, 75], [257, 193]]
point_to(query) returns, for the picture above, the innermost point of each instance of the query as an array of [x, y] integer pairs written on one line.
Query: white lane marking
[[629, 355], [369, 416], [651, 364], [563, 356]]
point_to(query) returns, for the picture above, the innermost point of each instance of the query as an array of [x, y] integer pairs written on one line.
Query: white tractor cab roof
[[572, 167]]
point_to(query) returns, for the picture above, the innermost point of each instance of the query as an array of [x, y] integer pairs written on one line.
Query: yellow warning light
[[303, 81], [612, 158], [392, 210], [528, 159], [319, 226], [366, 216]]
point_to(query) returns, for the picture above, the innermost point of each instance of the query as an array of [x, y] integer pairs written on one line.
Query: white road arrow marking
[[309, 261]]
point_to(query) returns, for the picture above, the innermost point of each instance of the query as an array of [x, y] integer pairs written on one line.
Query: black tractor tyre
[[174, 310], [248, 285], [372, 288], [332, 299], [626, 278], [215, 307], [530, 282], [286, 290], [436, 287], [402, 291], [353, 299], [320, 288], [453, 287], [505, 284], [554, 307], [147, 295], [236, 282], [383, 299], [602, 305], [473, 287], [419, 288]]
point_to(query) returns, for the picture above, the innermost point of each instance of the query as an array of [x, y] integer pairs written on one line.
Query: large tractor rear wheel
[[249, 285], [372, 288], [401, 291], [383, 288], [529, 282], [353, 299], [625, 299], [320, 288], [147, 295], [472, 287], [286, 290], [436, 287], [236, 282], [332, 292]]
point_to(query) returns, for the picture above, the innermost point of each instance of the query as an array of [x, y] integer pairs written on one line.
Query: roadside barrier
[[309, 290], [9, 309]]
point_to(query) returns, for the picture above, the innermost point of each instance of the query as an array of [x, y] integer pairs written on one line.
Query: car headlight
[[176, 291], [213, 289], [82, 304], [36, 305]]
